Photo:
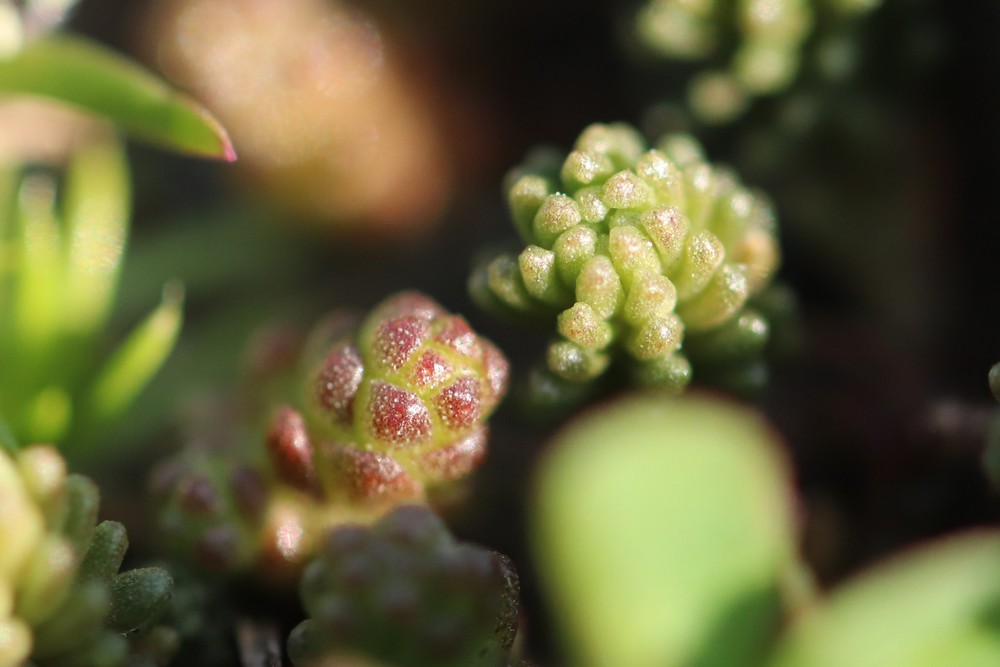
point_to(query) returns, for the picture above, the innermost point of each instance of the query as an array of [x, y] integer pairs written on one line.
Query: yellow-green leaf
[[98, 80], [935, 607]]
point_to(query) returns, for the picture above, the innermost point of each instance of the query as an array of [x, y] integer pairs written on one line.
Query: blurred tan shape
[[317, 106], [39, 131]]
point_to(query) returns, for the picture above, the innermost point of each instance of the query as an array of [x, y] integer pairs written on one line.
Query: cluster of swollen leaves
[[360, 418], [650, 257], [62, 599], [751, 47], [404, 592]]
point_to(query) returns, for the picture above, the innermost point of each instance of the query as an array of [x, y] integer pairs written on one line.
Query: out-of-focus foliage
[[751, 47], [97, 80], [62, 250], [63, 600], [664, 532], [665, 536], [89, 76], [938, 606], [61, 247]]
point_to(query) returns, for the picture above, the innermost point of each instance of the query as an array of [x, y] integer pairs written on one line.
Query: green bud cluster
[[646, 254], [63, 600], [362, 417], [767, 54], [404, 593]]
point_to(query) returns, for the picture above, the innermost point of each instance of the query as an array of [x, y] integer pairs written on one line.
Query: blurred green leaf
[[37, 303], [936, 607], [664, 534], [7, 440], [137, 597], [98, 80], [96, 215], [136, 360]]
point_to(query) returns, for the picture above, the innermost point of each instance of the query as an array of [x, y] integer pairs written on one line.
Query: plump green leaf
[[138, 597], [100, 81], [936, 607], [105, 554], [664, 534]]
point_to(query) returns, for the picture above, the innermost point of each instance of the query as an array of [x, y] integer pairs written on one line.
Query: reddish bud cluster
[[397, 405]]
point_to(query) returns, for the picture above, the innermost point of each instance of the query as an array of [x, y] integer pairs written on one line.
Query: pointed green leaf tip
[[102, 82], [936, 607], [664, 534]]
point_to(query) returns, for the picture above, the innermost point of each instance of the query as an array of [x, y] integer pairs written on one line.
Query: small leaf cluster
[[404, 592], [754, 47], [63, 600], [380, 412], [640, 253], [400, 405]]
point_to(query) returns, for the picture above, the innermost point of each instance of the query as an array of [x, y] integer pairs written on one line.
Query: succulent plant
[[645, 255], [767, 38], [63, 600], [394, 408], [382, 410], [404, 593], [213, 506]]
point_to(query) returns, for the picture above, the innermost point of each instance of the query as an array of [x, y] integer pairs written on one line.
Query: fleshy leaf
[[664, 534], [100, 81], [138, 597], [936, 607]]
